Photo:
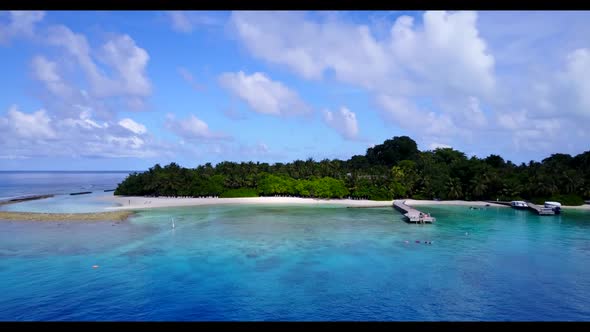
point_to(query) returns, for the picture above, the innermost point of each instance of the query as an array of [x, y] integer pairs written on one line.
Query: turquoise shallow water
[[60, 184], [94, 202], [299, 263]]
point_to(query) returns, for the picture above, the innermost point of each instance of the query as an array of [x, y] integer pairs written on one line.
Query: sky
[[125, 90]]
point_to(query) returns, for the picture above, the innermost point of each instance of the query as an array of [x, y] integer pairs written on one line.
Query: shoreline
[[142, 203]]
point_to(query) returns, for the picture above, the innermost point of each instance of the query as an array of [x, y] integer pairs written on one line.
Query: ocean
[[289, 263]]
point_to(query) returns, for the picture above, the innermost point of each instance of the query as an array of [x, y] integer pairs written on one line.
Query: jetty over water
[[541, 210], [412, 215]]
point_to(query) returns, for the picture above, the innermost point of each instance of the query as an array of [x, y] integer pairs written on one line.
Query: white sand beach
[[579, 207], [138, 202]]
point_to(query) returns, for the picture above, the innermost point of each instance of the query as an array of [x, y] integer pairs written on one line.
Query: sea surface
[[61, 184], [281, 263]]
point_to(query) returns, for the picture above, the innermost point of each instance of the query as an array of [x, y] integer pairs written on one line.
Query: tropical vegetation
[[394, 169]]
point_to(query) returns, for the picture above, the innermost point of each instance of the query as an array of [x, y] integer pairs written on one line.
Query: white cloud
[[443, 60], [513, 82], [21, 23], [29, 135], [578, 74], [447, 51], [193, 128], [133, 126], [28, 126], [121, 56], [406, 114], [129, 61], [264, 95], [46, 72], [314, 48], [343, 121]]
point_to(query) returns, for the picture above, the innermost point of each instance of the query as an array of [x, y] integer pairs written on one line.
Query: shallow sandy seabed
[[32, 216]]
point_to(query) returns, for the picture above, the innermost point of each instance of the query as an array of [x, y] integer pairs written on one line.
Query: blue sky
[[124, 90]]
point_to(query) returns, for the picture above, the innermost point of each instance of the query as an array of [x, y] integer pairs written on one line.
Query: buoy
[[95, 266]]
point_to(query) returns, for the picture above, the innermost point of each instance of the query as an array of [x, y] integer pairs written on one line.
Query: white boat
[[552, 204], [519, 204], [556, 206]]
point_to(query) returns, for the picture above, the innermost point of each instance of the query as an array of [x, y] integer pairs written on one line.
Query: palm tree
[[479, 186], [454, 186]]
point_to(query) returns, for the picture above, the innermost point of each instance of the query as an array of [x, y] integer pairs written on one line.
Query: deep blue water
[[299, 263]]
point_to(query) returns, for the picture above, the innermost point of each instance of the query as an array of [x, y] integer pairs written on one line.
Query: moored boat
[[556, 206], [519, 204]]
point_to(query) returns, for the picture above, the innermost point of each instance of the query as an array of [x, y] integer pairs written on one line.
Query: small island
[[388, 171]]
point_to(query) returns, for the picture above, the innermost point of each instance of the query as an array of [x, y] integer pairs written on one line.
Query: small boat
[[556, 206], [519, 204]]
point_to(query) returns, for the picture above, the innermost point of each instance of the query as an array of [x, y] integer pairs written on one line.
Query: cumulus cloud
[[406, 114], [446, 76], [20, 24], [343, 121], [193, 128], [46, 72], [134, 127], [28, 126], [447, 50], [578, 74], [129, 62], [444, 59], [314, 48], [101, 81], [120, 54], [37, 134], [263, 95]]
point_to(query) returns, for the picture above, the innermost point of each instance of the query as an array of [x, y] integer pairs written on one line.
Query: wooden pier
[[540, 210], [499, 202], [412, 215]]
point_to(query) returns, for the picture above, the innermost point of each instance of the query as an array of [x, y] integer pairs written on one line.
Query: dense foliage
[[390, 170]]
